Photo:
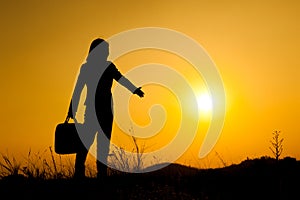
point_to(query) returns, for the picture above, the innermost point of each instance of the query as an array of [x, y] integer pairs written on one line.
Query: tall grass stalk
[[37, 165], [9, 166]]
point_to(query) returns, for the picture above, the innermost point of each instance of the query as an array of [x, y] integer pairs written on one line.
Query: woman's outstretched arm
[[127, 83], [130, 86]]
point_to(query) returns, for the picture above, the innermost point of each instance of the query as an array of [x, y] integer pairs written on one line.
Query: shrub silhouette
[[277, 146]]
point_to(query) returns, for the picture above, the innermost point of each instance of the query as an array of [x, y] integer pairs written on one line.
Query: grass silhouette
[[47, 174], [40, 165]]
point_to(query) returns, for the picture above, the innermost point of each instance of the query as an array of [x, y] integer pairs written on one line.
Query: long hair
[[96, 42]]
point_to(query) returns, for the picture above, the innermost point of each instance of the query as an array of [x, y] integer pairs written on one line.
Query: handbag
[[66, 139]]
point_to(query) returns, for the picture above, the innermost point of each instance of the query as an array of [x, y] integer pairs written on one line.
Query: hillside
[[262, 178]]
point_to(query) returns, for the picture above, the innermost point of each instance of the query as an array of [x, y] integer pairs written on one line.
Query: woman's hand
[[139, 92]]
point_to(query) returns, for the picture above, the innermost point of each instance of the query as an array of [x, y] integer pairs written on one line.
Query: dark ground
[[262, 178]]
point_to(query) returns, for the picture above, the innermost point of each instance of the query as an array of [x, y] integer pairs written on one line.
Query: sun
[[204, 102]]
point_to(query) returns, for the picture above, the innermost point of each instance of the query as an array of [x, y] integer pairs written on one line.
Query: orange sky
[[254, 44]]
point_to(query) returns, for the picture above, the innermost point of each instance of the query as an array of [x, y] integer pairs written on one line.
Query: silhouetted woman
[[97, 75]]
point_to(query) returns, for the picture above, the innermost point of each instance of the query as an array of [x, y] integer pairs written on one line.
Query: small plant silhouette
[[120, 159], [276, 143]]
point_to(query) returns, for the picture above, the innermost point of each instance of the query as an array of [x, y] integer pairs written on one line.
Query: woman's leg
[[103, 142], [80, 162], [102, 155], [87, 135]]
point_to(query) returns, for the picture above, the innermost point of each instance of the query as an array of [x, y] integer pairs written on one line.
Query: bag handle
[[67, 119]]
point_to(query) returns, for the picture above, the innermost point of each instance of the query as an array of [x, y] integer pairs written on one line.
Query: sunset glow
[[253, 44], [204, 103]]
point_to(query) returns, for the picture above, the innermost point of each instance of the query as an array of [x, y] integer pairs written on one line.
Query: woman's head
[[99, 48]]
